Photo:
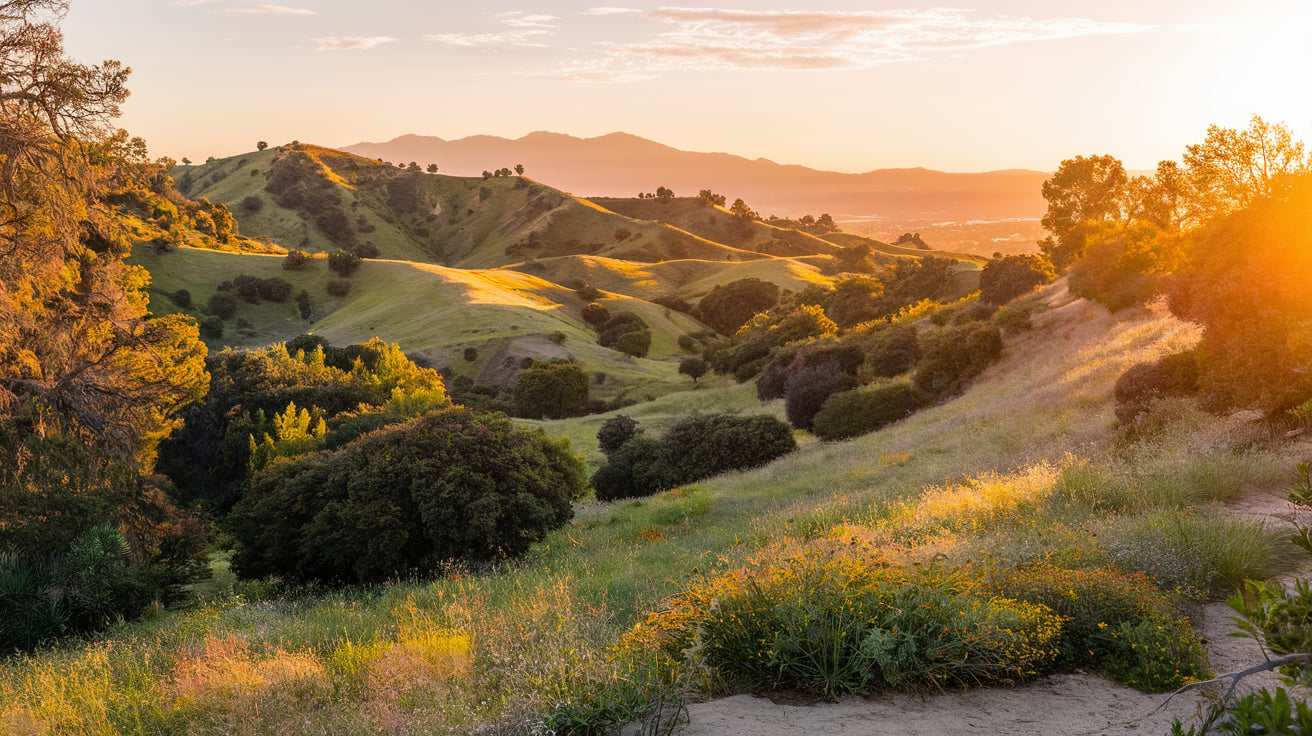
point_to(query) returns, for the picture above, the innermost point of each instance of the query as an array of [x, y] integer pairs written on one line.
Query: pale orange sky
[[852, 86]]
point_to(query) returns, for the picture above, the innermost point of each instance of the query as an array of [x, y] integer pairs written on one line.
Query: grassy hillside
[[1021, 465], [430, 310]]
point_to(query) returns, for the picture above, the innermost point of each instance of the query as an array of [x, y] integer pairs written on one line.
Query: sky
[[844, 85]]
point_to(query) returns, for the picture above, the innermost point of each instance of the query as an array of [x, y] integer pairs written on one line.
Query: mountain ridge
[[619, 164]]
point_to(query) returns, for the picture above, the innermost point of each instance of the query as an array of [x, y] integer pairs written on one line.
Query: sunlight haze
[[853, 86]]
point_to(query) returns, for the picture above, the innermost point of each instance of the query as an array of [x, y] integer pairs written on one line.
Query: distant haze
[[622, 165]]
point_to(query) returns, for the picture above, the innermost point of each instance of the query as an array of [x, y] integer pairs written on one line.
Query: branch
[[1235, 677]]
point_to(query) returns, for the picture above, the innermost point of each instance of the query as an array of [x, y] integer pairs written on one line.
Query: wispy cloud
[[523, 29], [350, 43], [702, 38], [271, 10], [610, 11]]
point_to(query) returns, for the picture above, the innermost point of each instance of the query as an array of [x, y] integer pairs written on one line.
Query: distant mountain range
[[622, 165]]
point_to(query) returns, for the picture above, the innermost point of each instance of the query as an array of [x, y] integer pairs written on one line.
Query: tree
[[186, 161], [1232, 168], [261, 145], [664, 194], [729, 306], [519, 169], [1004, 279], [551, 391], [89, 382], [693, 367], [432, 168], [711, 199], [741, 211], [1082, 190]]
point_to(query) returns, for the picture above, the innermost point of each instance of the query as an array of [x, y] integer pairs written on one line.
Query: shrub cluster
[[551, 391], [697, 447], [1004, 279], [728, 306], [451, 484], [625, 332], [1143, 384], [854, 413], [956, 354]]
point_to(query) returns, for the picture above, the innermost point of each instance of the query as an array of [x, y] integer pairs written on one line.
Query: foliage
[[755, 341], [1083, 190], [1006, 278], [635, 343], [1142, 385], [296, 260], [209, 459], [338, 287], [832, 621], [451, 484], [853, 413], [551, 391], [615, 432], [911, 281], [1120, 624], [1232, 169], [693, 367], [854, 300], [807, 389], [891, 351], [728, 306], [1124, 265], [955, 355], [595, 314], [1250, 301], [694, 448], [344, 263]]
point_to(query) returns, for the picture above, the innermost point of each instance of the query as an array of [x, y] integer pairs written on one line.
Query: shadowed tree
[[1083, 190]]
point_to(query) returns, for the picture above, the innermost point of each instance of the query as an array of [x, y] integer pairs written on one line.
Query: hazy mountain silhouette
[[620, 164]]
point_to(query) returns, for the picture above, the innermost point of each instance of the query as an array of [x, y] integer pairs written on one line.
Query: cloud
[[726, 39], [190, 3], [271, 9], [525, 30], [608, 11], [350, 43]]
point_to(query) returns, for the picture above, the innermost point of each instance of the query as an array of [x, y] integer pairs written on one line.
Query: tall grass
[[524, 645]]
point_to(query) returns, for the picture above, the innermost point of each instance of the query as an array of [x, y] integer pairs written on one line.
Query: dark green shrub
[[706, 445], [808, 388], [211, 327], [303, 306], [955, 355], [247, 287], [1145, 383], [251, 204], [693, 367], [688, 343], [551, 391], [729, 306], [639, 467], [596, 314], [452, 484], [634, 343], [296, 260], [854, 413], [344, 263], [470, 354], [275, 290], [620, 324], [338, 287], [1006, 278], [615, 432], [892, 351], [182, 298]]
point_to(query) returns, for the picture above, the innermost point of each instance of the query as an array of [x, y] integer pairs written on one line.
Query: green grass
[[500, 647]]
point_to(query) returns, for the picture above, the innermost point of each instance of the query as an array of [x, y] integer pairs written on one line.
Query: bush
[[615, 432], [832, 622], [634, 343], [222, 306], [854, 413], [694, 448], [551, 391], [1143, 384], [693, 367], [344, 263], [729, 306], [303, 306], [1122, 625], [338, 287], [247, 287], [955, 355], [275, 290], [1006, 278], [182, 298], [470, 354], [892, 351], [807, 389], [452, 484], [211, 328], [596, 314], [251, 204], [296, 260]]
